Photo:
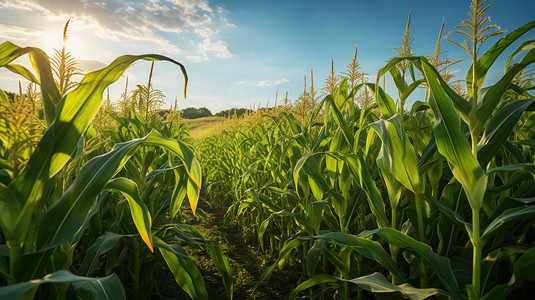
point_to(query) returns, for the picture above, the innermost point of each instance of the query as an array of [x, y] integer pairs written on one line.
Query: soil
[[246, 260]]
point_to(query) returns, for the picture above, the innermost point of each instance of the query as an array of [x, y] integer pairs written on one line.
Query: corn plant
[[42, 224], [430, 201]]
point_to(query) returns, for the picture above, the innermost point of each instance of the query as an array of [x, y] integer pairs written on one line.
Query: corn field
[[357, 194]]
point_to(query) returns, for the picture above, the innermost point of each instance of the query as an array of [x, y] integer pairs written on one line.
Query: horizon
[[241, 53]]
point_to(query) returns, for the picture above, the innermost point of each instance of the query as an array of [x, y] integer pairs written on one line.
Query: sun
[[54, 40]]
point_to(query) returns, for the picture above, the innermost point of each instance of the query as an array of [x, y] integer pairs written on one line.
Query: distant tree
[[233, 112], [195, 113]]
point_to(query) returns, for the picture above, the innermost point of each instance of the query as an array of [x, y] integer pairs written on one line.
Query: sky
[[239, 53]]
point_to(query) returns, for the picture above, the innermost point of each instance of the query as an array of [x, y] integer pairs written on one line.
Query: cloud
[[241, 82], [147, 20], [217, 48], [272, 82], [12, 32], [196, 58]]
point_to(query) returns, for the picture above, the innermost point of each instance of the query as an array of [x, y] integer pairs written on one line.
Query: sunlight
[[54, 40]]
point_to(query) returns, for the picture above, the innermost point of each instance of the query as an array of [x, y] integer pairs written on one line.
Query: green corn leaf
[[462, 106], [522, 271], [179, 191], [525, 46], [262, 229], [315, 214], [67, 216], [530, 167], [38, 58], [399, 154], [506, 218], [21, 70], [500, 128], [313, 256], [484, 63], [194, 237], [393, 187], [491, 97], [75, 112], [399, 81], [222, 265], [339, 119], [138, 209], [375, 283], [360, 173], [193, 168], [186, 273], [452, 144], [106, 288], [102, 245], [285, 251], [367, 247], [439, 264], [386, 103]]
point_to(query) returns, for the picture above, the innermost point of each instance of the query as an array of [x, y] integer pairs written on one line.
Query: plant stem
[[421, 236], [14, 253], [136, 270], [476, 269], [419, 215]]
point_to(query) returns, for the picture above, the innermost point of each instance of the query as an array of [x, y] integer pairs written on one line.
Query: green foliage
[[233, 113], [434, 201], [63, 206], [195, 113]]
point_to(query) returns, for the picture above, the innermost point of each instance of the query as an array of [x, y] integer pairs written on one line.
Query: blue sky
[[241, 52]]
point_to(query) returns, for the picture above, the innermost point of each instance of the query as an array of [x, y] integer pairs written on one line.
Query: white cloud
[[217, 48], [196, 58], [272, 82], [135, 19], [12, 32], [204, 6], [241, 82]]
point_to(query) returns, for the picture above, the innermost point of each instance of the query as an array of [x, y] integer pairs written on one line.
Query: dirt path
[[245, 259]]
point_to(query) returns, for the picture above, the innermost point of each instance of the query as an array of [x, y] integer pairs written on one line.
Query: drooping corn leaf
[[186, 273], [67, 215], [451, 143], [439, 264], [106, 288], [139, 211], [375, 283], [75, 112]]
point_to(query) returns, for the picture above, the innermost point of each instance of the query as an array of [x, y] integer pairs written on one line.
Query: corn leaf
[[186, 273], [451, 143], [102, 245], [439, 264], [491, 97], [106, 288], [522, 271], [500, 128], [375, 283], [68, 214], [138, 209], [506, 218], [484, 63]]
